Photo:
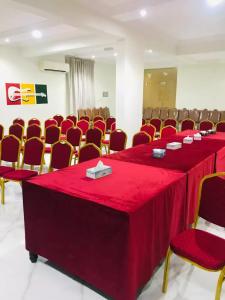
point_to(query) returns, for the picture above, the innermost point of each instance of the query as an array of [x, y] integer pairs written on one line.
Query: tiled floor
[[21, 280]]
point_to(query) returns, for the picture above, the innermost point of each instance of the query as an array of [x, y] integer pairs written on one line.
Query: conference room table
[[111, 232]]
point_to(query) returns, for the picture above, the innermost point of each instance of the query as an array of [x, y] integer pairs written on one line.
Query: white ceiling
[[178, 31]]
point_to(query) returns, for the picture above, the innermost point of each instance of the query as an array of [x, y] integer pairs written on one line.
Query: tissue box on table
[[197, 137], [158, 153], [99, 171], [188, 140], [173, 146]]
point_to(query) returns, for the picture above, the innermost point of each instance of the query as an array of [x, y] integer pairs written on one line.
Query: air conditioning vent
[[52, 66]]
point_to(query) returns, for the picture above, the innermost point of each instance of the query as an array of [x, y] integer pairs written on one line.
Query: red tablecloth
[[111, 232]]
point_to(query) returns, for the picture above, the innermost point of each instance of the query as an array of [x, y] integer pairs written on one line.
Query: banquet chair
[[187, 124], [222, 115], [172, 113], [150, 130], [80, 112], [157, 123], [95, 112], [155, 113], [83, 125], [147, 113], [34, 121], [65, 125], [73, 119], [163, 114], [194, 114], [52, 135], [88, 152], [113, 127], [220, 126], [198, 247], [204, 115], [182, 114], [94, 136], [215, 116], [33, 155], [98, 118], [141, 138], [86, 118], [1, 132], [100, 125], [74, 136], [33, 131], [19, 121], [117, 140], [16, 130], [205, 125], [59, 119], [50, 122], [171, 122], [167, 131], [109, 122], [89, 113], [61, 155], [106, 113]]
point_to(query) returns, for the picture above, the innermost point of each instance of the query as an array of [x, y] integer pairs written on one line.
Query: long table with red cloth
[[110, 232]]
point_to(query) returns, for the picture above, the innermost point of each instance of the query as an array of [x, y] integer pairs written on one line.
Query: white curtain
[[80, 84]]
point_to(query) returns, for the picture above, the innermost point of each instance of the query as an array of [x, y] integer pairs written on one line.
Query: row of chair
[[93, 112]]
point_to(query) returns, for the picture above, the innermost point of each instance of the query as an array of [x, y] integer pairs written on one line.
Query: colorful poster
[[26, 93]]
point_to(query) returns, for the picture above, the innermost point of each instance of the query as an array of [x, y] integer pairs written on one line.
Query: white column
[[129, 87]]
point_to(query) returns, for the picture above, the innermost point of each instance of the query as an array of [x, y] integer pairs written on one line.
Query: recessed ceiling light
[[93, 57], [115, 54], [214, 2], [7, 40], [36, 34], [149, 50], [143, 13]]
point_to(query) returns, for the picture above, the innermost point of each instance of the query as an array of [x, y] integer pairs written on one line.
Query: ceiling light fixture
[[214, 2], [93, 57], [143, 13], [7, 40], [36, 34], [149, 50], [115, 54]]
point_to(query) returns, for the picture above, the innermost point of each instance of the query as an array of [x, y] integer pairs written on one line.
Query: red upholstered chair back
[[19, 121], [33, 131], [34, 121], [168, 131], [94, 136], [83, 125], [50, 122], [149, 129], [187, 124], [61, 155], [143, 122], [74, 136], [113, 127], [10, 149], [157, 123], [206, 125], [58, 119], [109, 122], [100, 125], [86, 118], [52, 134], [212, 199], [1, 132], [73, 119], [117, 140], [171, 122], [97, 118], [65, 125], [141, 138], [220, 126], [88, 152], [33, 152], [16, 130]]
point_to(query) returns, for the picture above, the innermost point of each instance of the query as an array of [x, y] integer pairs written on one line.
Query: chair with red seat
[[157, 123], [50, 122], [1, 132], [65, 125], [17, 130], [117, 140], [220, 126], [86, 118], [109, 122], [98, 118], [73, 119], [149, 129], [113, 127], [52, 135], [100, 125], [206, 125], [33, 131], [34, 121], [74, 137], [198, 247], [83, 125], [141, 138], [61, 155], [19, 121], [88, 152], [58, 119], [171, 122], [167, 131], [94, 136], [187, 124], [32, 156]]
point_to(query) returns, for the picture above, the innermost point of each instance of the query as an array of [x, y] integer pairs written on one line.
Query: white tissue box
[[174, 146], [95, 173], [158, 153], [197, 137], [188, 140]]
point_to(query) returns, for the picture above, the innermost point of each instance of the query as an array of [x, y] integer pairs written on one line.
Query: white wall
[[16, 69], [105, 80], [201, 86]]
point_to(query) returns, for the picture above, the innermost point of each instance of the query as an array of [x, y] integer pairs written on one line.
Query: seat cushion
[[105, 142], [201, 247], [48, 149], [19, 175], [4, 170]]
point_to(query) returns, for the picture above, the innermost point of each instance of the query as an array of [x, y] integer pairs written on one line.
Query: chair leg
[[219, 284], [3, 191], [166, 271]]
